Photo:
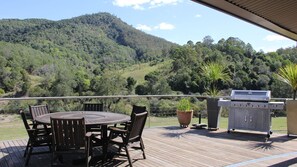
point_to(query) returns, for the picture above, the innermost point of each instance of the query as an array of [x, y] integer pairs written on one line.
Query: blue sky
[[174, 20]]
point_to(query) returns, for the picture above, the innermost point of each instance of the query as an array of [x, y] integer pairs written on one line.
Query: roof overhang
[[278, 16]]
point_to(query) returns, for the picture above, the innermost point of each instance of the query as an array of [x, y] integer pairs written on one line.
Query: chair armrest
[[125, 123], [88, 134], [117, 130]]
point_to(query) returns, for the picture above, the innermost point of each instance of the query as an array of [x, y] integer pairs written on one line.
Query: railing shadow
[[289, 162]]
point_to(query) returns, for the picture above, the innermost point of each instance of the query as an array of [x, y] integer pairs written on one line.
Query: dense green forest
[[85, 56]]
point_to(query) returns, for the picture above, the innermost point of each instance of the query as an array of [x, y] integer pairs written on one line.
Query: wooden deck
[[172, 146]]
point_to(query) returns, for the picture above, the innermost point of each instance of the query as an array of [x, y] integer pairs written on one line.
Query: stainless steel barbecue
[[250, 110]]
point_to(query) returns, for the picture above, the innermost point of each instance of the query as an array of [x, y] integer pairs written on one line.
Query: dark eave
[[278, 16]]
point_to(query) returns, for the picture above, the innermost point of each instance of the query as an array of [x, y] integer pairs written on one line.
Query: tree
[[82, 81], [207, 41], [110, 83], [130, 84], [63, 84]]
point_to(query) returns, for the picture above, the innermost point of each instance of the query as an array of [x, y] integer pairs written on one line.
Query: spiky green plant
[[213, 72], [184, 105], [288, 74]]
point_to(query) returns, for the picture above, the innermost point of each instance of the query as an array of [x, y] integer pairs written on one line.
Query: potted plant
[[184, 112], [213, 73], [288, 74]]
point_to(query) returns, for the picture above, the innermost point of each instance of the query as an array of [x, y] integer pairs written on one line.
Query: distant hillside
[[70, 54], [99, 54], [102, 36]]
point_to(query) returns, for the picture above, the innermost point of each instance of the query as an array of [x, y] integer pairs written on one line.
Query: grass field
[[14, 129], [138, 71]]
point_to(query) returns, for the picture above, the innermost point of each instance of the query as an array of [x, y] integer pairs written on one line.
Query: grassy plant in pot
[[288, 74], [213, 73], [184, 113]]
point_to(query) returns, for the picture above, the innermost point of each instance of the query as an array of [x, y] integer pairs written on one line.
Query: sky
[[177, 21]]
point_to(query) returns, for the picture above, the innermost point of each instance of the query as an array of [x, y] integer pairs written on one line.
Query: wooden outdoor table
[[91, 118]]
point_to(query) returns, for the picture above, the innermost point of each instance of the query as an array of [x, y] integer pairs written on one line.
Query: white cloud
[[143, 27], [267, 49], [161, 26], [156, 3], [198, 15], [139, 4], [125, 3], [275, 37], [165, 26]]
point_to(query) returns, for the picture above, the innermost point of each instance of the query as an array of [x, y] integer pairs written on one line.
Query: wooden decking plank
[[208, 150], [21, 143], [169, 158], [172, 152], [3, 156], [12, 153], [9, 158], [176, 147], [218, 148], [16, 153]]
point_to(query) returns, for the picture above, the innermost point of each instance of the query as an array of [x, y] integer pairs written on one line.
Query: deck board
[[175, 147]]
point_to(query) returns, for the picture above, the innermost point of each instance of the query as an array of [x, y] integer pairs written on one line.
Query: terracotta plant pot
[[184, 118]]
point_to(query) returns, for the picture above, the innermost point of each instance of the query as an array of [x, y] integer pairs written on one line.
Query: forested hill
[[99, 54], [102, 36], [55, 57]]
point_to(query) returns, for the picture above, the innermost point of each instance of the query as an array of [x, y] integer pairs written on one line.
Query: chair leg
[[142, 148], [52, 159], [120, 148], [29, 155], [141, 143], [128, 155], [27, 147]]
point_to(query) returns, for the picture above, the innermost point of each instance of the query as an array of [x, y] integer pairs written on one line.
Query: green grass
[[12, 130], [15, 128], [138, 71], [279, 124]]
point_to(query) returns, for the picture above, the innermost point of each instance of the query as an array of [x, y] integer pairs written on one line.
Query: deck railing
[[161, 107]]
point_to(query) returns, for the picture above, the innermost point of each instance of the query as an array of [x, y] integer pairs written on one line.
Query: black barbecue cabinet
[[250, 110]]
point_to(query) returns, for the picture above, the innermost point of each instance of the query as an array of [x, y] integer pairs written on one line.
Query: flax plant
[[288, 74], [213, 72]]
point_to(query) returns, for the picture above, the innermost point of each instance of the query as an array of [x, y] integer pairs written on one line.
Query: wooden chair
[[36, 111], [70, 137], [130, 135], [37, 138], [135, 110], [95, 129], [93, 107]]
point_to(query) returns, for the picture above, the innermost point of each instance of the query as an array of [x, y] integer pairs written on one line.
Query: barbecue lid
[[251, 95]]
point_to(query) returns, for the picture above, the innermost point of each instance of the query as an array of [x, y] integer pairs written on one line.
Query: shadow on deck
[[172, 146]]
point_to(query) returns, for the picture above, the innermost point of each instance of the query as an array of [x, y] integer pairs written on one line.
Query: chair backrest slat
[[68, 134], [38, 110], [93, 107], [137, 125]]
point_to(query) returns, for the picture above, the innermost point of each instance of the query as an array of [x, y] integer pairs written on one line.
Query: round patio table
[[91, 118]]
